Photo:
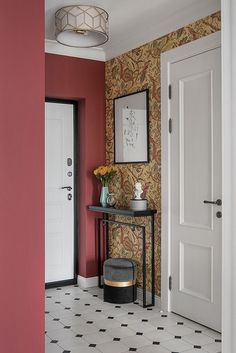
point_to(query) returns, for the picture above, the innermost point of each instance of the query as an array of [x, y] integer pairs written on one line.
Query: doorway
[[191, 181], [60, 192]]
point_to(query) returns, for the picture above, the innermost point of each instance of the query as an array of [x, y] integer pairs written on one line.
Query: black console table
[[106, 211]]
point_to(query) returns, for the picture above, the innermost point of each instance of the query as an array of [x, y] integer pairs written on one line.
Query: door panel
[[59, 210], [195, 109], [190, 282], [195, 119]]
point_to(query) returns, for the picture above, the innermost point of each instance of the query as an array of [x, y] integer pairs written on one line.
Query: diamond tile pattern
[[78, 320]]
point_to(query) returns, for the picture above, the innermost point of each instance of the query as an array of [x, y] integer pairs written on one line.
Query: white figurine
[[138, 191]]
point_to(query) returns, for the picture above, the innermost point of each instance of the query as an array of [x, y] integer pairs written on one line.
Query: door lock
[[69, 196], [69, 162], [219, 214]]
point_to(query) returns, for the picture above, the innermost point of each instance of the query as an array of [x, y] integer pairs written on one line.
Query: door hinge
[[170, 91], [170, 125], [170, 282]]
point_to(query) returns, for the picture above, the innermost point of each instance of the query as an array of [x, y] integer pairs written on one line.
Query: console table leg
[[144, 267], [107, 236], [153, 258], [99, 253]]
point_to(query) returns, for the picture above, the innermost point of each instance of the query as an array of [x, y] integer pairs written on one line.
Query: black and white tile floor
[[78, 321]]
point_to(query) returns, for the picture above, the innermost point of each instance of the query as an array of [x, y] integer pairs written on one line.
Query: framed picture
[[131, 128]]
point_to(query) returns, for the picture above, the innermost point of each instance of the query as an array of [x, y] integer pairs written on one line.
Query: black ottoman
[[120, 280]]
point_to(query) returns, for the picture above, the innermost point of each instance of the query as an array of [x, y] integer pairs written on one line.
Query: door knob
[[69, 188], [218, 202]]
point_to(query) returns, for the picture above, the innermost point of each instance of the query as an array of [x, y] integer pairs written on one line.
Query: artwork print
[[131, 122]]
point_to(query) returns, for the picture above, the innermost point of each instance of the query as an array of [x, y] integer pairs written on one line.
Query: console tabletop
[[122, 211]]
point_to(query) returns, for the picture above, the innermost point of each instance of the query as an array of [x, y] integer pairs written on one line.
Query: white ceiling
[[135, 22]]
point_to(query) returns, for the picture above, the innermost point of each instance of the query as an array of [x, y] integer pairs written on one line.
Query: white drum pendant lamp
[[81, 26]]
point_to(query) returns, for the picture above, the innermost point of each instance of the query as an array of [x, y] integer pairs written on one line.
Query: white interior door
[[195, 109], [59, 207]]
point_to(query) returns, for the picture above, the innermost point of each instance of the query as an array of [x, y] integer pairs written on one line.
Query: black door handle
[[218, 202], [69, 188]]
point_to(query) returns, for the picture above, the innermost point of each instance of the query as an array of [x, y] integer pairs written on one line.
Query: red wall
[[84, 81], [22, 177]]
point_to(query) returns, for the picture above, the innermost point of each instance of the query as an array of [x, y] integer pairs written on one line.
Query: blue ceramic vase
[[103, 196]]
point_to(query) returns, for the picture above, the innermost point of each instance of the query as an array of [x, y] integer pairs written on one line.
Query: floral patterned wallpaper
[[134, 71]]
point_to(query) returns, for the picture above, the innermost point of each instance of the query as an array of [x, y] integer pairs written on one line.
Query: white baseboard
[[149, 297], [89, 282]]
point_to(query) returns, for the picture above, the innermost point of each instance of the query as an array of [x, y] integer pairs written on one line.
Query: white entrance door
[[59, 204], [195, 109]]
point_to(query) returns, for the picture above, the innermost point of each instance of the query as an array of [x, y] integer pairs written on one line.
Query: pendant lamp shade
[[81, 26]]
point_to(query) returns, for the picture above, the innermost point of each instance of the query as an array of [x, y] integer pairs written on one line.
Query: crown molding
[[53, 47], [139, 37]]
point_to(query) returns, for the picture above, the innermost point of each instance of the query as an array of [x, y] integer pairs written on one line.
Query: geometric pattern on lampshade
[[81, 26]]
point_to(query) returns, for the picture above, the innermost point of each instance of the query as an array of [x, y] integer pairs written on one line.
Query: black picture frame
[[131, 128]]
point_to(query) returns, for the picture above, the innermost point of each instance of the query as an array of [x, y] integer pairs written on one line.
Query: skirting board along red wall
[[22, 177], [84, 81]]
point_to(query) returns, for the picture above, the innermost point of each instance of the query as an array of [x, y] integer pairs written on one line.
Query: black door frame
[[73, 280]]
